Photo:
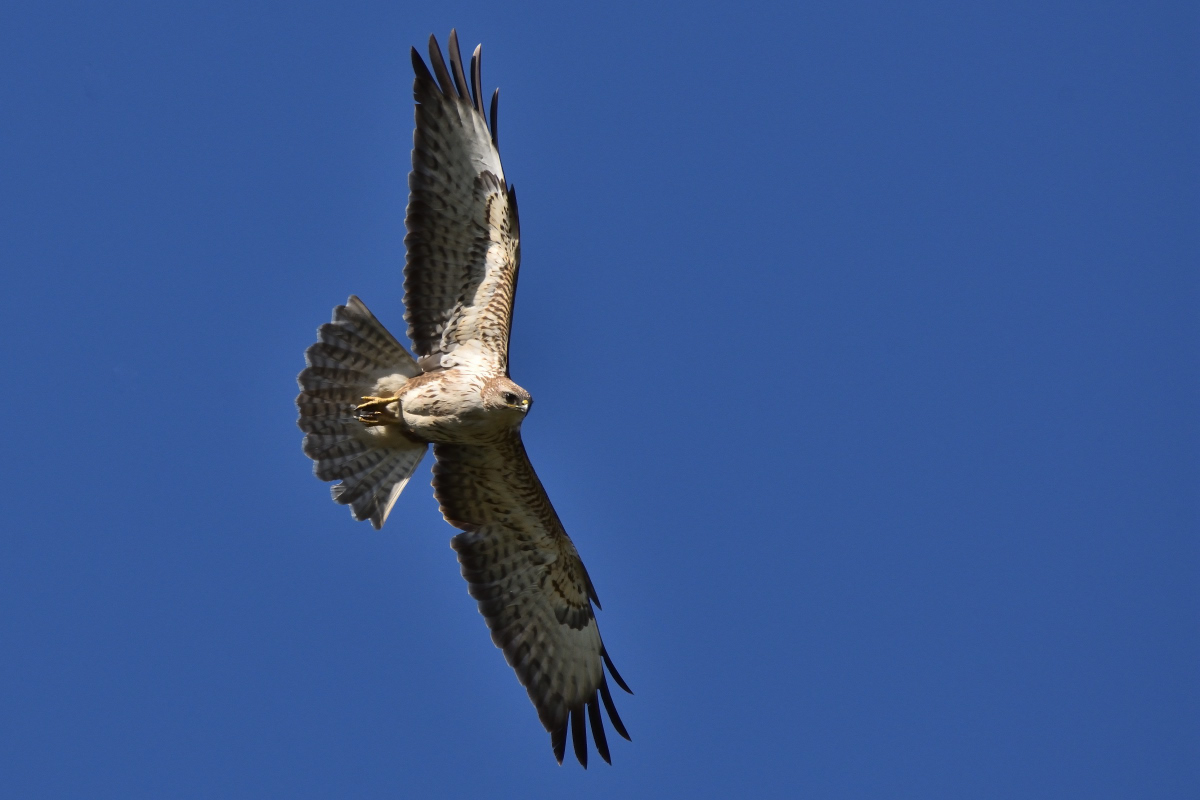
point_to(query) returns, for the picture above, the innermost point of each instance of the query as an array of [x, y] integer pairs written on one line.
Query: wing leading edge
[[531, 586], [463, 237]]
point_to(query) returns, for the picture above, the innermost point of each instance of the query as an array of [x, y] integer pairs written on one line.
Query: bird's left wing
[[531, 586], [463, 236]]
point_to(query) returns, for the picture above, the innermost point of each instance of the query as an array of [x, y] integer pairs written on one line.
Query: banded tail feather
[[355, 357]]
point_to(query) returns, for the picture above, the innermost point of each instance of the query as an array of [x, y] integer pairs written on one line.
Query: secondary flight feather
[[370, 410]]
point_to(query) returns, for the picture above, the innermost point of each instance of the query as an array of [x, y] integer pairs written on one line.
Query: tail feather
[[354, 357], [329, 379], [372, 491], [325, 425], [319, 446], [354, 347]]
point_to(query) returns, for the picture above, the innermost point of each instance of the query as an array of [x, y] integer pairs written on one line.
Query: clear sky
[[864, 341]]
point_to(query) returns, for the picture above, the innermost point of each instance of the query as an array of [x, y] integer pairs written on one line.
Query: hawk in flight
[[369, 409]]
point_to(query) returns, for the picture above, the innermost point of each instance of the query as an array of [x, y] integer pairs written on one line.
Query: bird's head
[[503, 396]]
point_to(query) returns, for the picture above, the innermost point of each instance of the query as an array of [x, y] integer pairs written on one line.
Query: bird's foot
[[374, 411]]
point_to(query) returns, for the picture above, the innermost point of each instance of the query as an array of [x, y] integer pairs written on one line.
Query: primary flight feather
[[370, 410]]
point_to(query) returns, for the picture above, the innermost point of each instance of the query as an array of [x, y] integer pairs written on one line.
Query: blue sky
[[864, 344]]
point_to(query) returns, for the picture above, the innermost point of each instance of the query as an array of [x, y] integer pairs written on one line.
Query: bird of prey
[[369, 409]]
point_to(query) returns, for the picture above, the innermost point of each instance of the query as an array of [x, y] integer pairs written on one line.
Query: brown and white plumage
[[369, 410], [356, 356], [531, 585], [463, 237]]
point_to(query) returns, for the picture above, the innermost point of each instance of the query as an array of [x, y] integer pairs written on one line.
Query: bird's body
[[451, 406], [370, 410]]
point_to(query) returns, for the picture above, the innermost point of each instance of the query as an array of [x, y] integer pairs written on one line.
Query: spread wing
[[531, 586], [463, 235]]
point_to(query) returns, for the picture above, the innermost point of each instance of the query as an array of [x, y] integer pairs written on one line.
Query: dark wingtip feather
[[558, 741], [445, 82], [516, 217], [613, 671], [420, 68], [579, 736], [598, 728], [495, 117], [477, 79], [460, 80], [613, 716]]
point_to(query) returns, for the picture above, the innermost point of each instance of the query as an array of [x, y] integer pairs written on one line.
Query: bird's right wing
[[463, 236], [531, 585]]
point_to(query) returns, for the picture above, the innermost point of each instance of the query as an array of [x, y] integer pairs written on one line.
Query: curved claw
[[374, 411]]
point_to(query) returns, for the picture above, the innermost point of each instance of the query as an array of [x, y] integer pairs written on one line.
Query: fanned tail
[[356, 357]]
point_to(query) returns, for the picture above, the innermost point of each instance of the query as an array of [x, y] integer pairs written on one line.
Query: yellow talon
[[375, 401], [373, 411]]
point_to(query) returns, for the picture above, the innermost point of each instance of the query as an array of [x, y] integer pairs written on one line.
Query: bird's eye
[[511, 398]]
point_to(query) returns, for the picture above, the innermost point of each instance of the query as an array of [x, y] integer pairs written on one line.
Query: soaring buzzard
[[369, 409]]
